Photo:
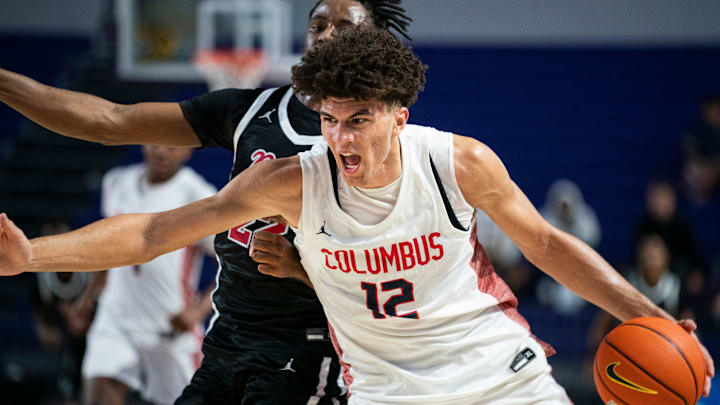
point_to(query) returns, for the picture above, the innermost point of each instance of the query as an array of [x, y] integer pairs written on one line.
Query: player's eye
[[358, 121], [345, 25], [316, 28], [328, 119]]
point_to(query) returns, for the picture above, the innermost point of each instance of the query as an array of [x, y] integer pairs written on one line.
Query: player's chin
[[354, 179]]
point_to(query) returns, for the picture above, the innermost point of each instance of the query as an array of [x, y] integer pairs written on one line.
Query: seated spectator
[[566, 209], [652, 275], [661, 218], [505, 256], [701, 149]]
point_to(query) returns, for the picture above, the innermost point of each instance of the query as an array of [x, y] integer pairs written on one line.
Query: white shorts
[[531, 385], [159, 367]]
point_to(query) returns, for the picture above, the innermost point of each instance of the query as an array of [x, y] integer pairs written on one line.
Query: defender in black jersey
[[267, 342], [269, 335]]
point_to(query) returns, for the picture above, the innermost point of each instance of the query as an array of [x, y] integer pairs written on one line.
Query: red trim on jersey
[[198, 355], [490, 283], [189, 255], [186, 271], [345, 367]]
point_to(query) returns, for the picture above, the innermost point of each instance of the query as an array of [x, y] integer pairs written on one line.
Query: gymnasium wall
[[498, 22]]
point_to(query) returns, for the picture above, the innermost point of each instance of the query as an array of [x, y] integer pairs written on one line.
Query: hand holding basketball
[[652, 361], [690, 326], [15, 248]]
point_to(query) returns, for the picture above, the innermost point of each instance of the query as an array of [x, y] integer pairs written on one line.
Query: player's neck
[[156, 178]]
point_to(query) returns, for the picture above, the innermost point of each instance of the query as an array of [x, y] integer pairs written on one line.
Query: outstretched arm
[[270, 188], [485, 184], [91, 118]]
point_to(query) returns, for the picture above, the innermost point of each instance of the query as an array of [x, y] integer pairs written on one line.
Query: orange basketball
[[649, 361]]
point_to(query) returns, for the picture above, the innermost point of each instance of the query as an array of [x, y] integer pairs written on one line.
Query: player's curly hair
[[362, 63], [386, 14]]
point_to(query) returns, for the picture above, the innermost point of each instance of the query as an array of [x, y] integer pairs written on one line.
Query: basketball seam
[[645, 371], [676, 349], [602, 381]]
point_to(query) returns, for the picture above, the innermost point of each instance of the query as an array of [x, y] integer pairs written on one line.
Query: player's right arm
[[273, 187], [87, 117]]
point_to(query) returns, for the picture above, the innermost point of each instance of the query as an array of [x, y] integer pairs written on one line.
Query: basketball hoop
[[236, 68]]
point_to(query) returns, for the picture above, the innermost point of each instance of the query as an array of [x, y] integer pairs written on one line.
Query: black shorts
[[261, 378]]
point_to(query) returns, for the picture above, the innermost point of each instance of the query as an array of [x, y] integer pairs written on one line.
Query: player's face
[[163, 162], [363, 136], [331, 16]]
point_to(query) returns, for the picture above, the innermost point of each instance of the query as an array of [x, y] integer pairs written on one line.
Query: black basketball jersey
[[255, 311]]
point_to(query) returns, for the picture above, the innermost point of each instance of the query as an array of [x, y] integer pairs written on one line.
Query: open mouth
[[350, 162]]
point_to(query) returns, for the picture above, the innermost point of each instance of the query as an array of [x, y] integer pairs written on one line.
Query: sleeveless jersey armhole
[[442, 155]]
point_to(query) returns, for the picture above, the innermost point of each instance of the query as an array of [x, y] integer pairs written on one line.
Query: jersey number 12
[[390, 307]]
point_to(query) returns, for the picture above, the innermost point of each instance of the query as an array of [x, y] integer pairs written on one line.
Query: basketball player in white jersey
[[417, 313], [147, 330]]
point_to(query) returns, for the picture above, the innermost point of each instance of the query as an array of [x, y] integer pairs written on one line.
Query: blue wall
[[608, 119]]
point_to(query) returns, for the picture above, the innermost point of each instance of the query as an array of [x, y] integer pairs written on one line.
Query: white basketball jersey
[[145, 297], [417, 312]]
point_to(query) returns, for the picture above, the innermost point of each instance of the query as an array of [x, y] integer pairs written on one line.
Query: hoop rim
[[237, 67]]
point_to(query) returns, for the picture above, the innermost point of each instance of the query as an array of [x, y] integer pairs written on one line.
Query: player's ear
[[400, 115]]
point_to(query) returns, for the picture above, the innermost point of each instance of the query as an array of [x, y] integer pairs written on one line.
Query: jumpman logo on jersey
[[322, 230], [288, 366], [267, 115]]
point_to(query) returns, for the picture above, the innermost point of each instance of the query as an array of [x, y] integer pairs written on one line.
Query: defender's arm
[[91, 118]]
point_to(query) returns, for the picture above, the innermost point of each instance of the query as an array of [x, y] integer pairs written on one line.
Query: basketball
[[649, 361]]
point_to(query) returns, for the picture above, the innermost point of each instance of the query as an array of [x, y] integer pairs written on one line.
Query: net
[[236, 68]]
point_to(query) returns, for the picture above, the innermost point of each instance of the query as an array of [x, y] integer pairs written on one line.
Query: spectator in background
[[56, 331], [504, 255], [565, 208], [652, 275], [701, 149], [661, 218]]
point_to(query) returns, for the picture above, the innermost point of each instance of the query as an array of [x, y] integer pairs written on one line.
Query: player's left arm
[[486, 184]]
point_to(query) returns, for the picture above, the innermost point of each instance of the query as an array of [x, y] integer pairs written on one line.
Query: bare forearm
[[87, 117], [580, 268], [105, 244]]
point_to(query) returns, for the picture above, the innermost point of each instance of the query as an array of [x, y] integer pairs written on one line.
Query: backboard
[[158, 39]]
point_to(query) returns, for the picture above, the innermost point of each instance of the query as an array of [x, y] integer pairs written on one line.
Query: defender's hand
[[276, 256], [15, 248], [690, 326]]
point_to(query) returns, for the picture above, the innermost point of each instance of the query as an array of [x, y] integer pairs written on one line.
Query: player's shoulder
[[120, 174], [469, 147], [194, 181], [431, 137]]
